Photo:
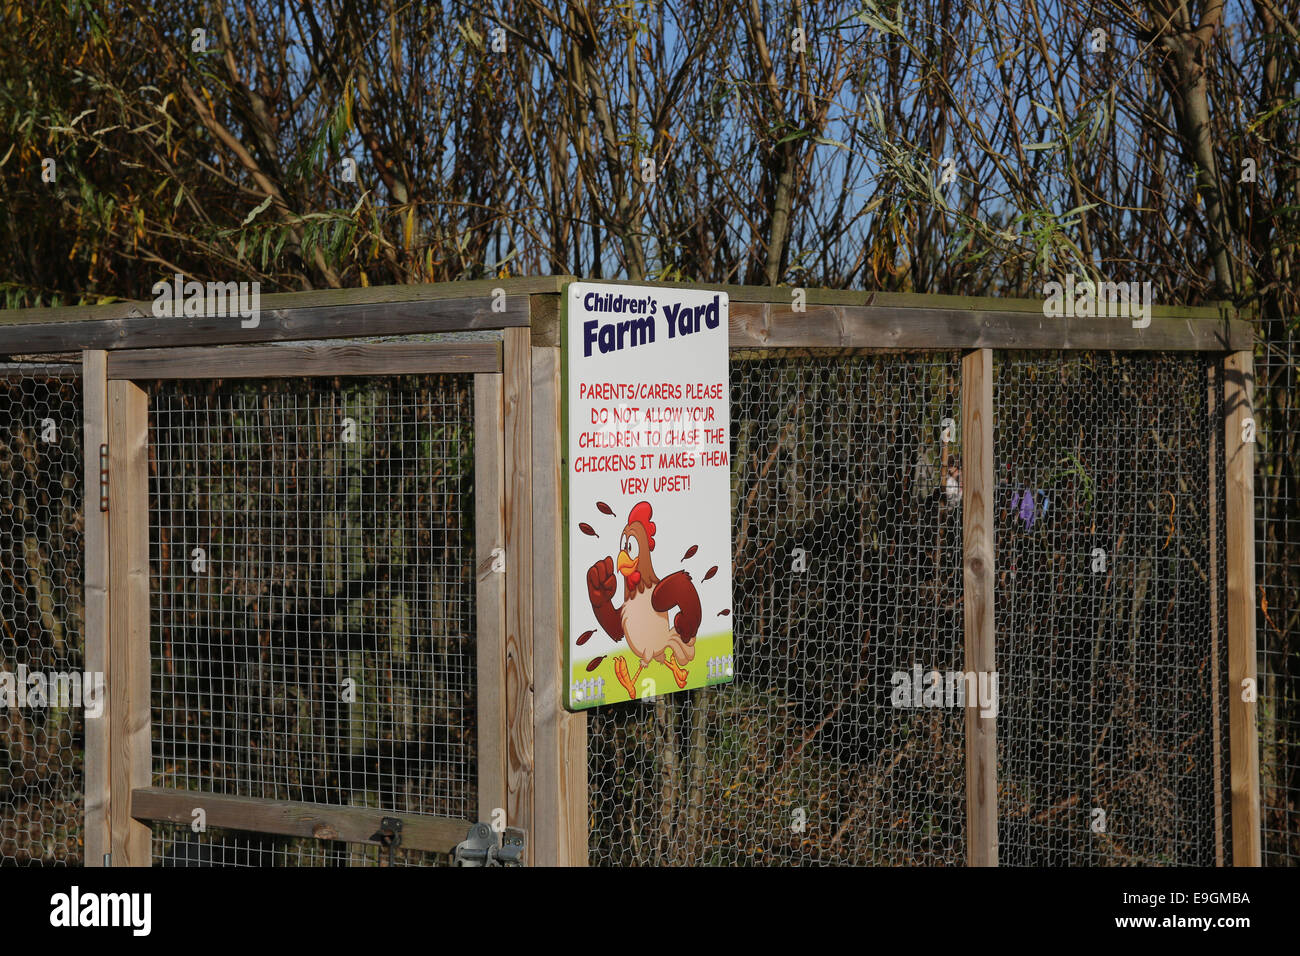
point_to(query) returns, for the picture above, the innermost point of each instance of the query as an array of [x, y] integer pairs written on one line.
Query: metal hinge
[[484, 847], [103, 477], [389, 835]]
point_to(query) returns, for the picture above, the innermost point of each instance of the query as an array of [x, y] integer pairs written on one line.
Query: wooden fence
[[532, 758]]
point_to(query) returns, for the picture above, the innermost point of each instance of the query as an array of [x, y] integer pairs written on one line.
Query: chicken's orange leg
[[678, 672], [628, 682]]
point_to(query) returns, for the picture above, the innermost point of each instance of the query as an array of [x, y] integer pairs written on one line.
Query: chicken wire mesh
[[847, 558], [1110, 610], [41, 615], [1277, 543], [313, 601]]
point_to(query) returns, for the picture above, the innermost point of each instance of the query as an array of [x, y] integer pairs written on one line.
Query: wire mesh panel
[[1277, 542], [847, 584], [1110, 610], [42, 707], [313, 599]]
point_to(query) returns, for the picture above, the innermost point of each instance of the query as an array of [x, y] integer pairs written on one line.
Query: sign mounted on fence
[[648, 500]]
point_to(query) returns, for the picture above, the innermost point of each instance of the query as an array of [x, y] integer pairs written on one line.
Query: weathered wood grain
[[128, 654], [978, 576], [1215, 386], [275, 325], [760, 325], [273, 361], [317, 298], [1239, 480], [761, 316], [560, 816], [98, 782], [544, 320], [285, 818], [489, 560], [518, 422]]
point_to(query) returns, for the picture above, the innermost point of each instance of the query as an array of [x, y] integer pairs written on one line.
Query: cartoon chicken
[[643, 620]]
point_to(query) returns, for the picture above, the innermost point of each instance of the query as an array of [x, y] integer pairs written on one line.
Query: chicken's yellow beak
[[625, 563]]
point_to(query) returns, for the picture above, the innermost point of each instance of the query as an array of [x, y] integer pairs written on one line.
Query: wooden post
[[978, 575], [561, 737], [489, 562], [518, 423], [128, 637], [1216, 674], [94, 398], [1239, 477]]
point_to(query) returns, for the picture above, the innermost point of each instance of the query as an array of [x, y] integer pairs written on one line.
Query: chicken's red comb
[[641, 514]]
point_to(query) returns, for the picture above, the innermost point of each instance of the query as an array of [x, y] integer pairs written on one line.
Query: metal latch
[[483, 847], [389, 835]]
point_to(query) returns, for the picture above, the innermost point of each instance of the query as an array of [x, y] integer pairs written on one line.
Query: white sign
[[648, 506]]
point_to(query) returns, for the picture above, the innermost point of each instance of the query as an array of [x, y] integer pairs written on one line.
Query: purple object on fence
[[1027, 509]]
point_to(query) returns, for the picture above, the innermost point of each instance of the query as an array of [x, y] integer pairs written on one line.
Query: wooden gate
[[279, 716]]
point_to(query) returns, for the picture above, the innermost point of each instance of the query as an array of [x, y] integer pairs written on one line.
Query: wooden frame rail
[[143, 331], [287, 818], [297, 361], [764, 325], [282, 317]]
